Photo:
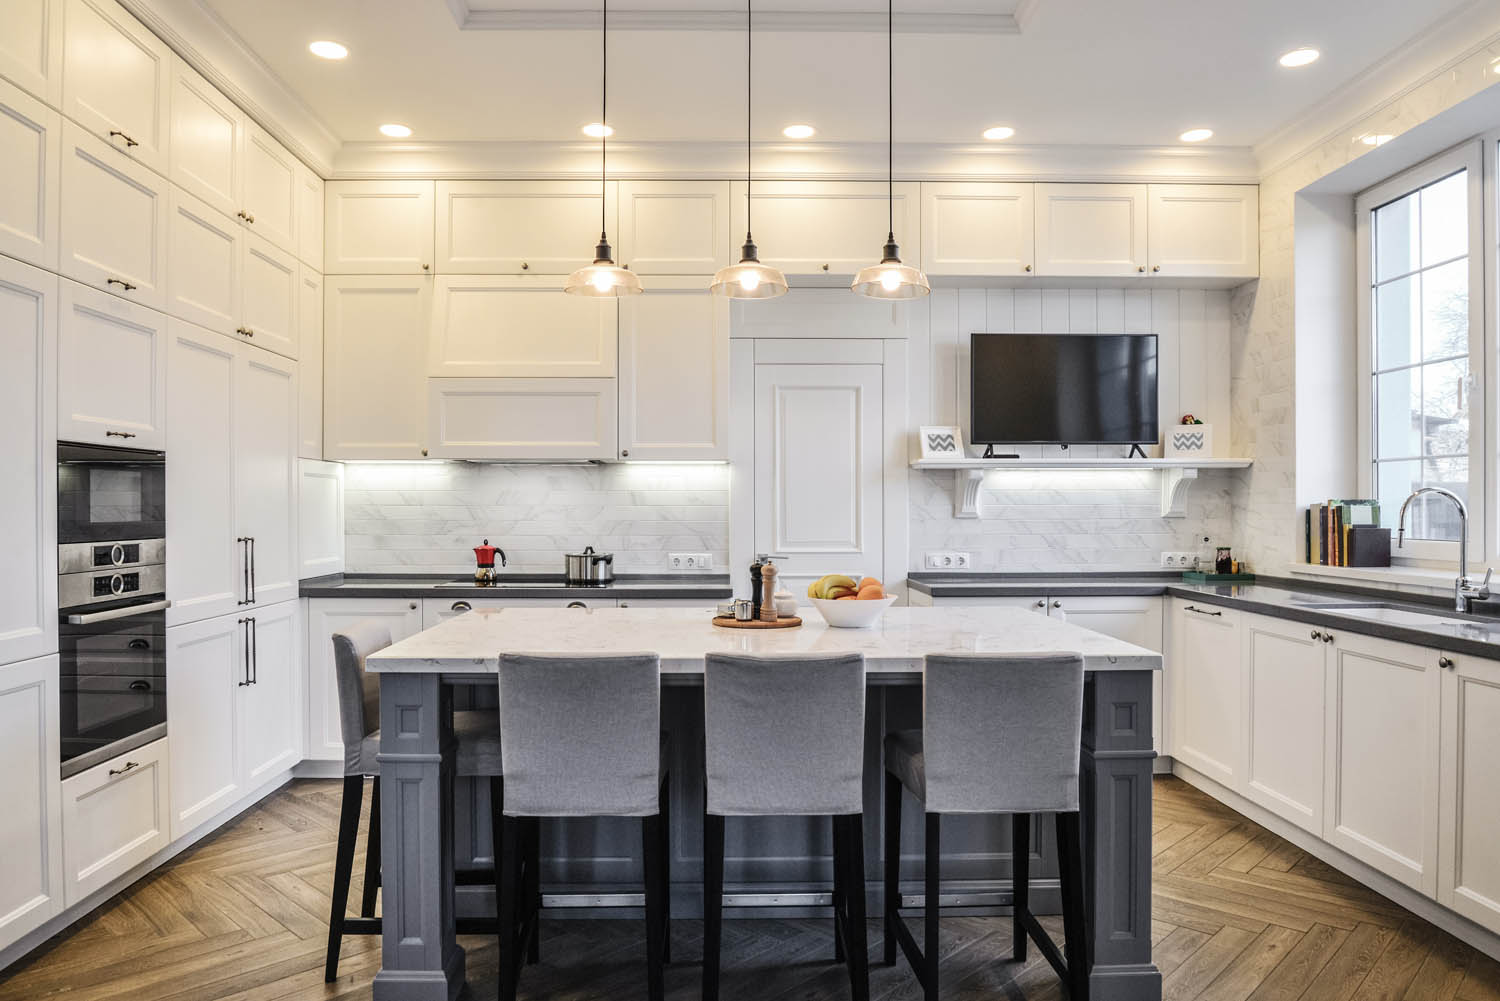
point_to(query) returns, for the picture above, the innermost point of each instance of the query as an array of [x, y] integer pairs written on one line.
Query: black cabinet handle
[[129, 766], [1200, 611], [462, 606], [252, 570], [129, 142], [245, 622], [1446, 663], [140, 686], [244, 542], [577, 604], [119, 434], [254, 653]]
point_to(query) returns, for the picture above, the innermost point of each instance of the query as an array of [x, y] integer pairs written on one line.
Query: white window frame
[[1468, 156]]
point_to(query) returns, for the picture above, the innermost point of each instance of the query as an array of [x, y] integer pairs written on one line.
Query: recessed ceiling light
[[1196, 135], [328, 50], [598, 130], [395, 131], [1376, 138], [999, 132], [1299, 57], [799, 131]]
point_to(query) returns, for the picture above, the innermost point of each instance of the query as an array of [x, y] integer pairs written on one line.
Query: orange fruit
[[870, 592], [866, 582], [846, 597]]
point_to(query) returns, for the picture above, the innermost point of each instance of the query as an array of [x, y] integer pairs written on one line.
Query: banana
[[823, 587]]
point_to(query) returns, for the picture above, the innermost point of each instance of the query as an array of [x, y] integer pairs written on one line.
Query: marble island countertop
[[471, 643], [709, 587]]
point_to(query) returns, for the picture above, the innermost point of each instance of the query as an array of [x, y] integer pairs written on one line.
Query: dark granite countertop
[[1329, 606], [709, 587]]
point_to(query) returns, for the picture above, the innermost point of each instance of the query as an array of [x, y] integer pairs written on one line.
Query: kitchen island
[[422, 959]]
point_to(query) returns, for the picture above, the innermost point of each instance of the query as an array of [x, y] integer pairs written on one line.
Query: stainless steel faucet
[[1464, 592]]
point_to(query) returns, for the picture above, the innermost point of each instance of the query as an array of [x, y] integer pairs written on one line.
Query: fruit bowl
[[852, 613]]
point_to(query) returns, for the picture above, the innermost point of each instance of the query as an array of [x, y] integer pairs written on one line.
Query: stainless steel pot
[[589, 567]]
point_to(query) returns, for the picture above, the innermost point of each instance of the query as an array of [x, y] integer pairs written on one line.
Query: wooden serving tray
[[782, 622]]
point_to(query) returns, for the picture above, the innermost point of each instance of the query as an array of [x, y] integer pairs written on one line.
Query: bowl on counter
[[852, 613]]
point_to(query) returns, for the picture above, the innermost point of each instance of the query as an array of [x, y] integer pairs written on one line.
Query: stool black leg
[[856, 933], [343, 868], [506, 850], [1075, 934], [840, 908], [713, 902], [651, 857], [1020, 880], [532, 890], [930, 918], [892, 911], [372, 854], [665, 798]]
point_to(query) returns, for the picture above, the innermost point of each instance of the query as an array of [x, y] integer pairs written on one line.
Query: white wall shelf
[[1176, 476]]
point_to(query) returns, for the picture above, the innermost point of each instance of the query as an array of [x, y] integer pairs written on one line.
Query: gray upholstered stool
[[999, 735], [784, 736], [478, 754], [581, 737]]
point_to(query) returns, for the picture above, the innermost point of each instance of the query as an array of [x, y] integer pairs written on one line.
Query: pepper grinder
[[761, 559], [768, 592]]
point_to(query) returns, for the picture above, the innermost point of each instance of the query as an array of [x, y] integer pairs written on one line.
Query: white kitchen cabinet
[[207, 135], [827, 227], [374, 358], [1382, 712], [31, 847], [204, 249], [522, 418], [117, 80], [206, 670], [1204, 230], [502, 326], [1468, 865], [265, 471], [1091, 230], [435, 610], [270, 706], [113, 220], [520, 227], [31, 46], [1283, 689], [1133, 618], [31, 163], [674, 372], [28, 490], [271, 298], [979, 229], [310, 362], [271, 188], [1031, 602], [1205, 694], [326, 616], [378, 227], [309, 217], [675, 227], [320, 518], [114, 817], [111, 370]]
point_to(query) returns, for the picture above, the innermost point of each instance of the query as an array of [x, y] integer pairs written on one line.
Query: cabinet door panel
[[674, 373], [309, 218], [320, 517], [113, 221], [374, 356], [1204, 230], [113, 822], [30, 162], [828, 227], [270, 705], [310, 362], [207, 132], [116, 79], [503, 327], [1469, 867], [270, 199], [675, 227], [978, 229], [31, 46], [1091, 230], [28, 490], [205, 669], [271, 297], [327, 616], [1283, 664], [378, 227], [31, 863], [519, 227], [265, 470], [522, 418], [111, 370], [203, 264], [1206, 704]]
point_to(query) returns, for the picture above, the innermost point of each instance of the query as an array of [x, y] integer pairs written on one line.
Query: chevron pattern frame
[[1189, 441]]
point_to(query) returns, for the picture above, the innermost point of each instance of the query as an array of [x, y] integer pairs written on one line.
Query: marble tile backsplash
[[427, 517]]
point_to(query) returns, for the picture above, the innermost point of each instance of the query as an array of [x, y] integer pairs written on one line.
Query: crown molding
[[795, 161], [689, 19]]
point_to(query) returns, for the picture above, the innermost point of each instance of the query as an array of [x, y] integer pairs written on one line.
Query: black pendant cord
[[890, 117], [603, 114], [749, 75]]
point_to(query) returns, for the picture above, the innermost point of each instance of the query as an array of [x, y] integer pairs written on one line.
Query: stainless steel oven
[[110, 495]]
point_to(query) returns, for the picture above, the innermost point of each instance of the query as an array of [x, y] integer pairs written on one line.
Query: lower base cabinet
[[114, 817], [1205, 695], [31, 842], [326, 616], [1469, 811], [1283, 689]]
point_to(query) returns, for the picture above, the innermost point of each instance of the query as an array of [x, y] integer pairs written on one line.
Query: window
[[1421, 348]]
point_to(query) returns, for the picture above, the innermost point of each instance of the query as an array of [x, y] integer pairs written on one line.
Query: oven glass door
[[113, 687], [110, 494]]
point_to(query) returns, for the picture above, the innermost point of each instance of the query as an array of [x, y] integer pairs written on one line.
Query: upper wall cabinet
[[1204, 230], [207, 135], [978, 229], [203, 263], [116, 78], [114, 221], [271, 187], [675, 227], [31, 42], [269, 304], [519, 227], [30, 150], [1091, 230], [378, 228], [375, 356], [310, 363], [826, 227], [505, 327], [522, 418], [674, 372], [111, 370], [309, 218]]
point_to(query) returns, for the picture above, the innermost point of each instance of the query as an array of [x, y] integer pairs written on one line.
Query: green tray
[[1199, 577]]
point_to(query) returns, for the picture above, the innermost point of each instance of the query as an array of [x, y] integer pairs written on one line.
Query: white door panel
[[205, 671], [270, 300], [378, 227], [31, 849], [113, 230], [31, 164], [116, 79], [203, 264], [270, 705], [207, 133], [111, 370], [265, 459], [271, 188], [31, 38], [1469, 866]]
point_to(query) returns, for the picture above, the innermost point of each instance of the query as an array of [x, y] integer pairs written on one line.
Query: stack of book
[[1329, 528]]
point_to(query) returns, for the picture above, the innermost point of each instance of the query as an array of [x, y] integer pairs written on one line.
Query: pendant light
[[604, 278], [748, 279], [890, 279]]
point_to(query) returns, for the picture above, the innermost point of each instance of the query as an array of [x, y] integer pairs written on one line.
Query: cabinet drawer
[[435, 610], [114, 817], [521, 418]]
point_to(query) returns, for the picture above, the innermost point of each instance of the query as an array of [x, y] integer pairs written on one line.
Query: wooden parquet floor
[[1240, 915]]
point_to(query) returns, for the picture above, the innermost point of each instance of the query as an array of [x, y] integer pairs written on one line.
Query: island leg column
[[421, 958], [1116, 799]]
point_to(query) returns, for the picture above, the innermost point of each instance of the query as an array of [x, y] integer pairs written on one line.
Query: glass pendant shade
[[749, 279], [604, 278], [890, 279]]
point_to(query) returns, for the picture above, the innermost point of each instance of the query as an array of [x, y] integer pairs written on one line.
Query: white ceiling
[[1110, 72]]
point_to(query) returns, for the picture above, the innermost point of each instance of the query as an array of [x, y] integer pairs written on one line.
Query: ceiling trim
[[688, 19], [821, 161]]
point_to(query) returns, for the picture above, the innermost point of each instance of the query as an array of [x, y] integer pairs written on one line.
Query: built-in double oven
[[112, 583]]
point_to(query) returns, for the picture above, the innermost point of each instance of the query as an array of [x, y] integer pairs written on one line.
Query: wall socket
[[1179, 561], [946, 561], [690, 561]]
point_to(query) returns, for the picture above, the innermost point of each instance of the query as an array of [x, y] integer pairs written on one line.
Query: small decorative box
[[1189, 441]]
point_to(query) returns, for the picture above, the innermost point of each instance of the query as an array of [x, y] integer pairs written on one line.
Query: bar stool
[[999, 735], [477, 753], [580, 736], [784, 736]]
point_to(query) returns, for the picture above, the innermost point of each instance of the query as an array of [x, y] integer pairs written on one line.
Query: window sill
[[1410, 577]]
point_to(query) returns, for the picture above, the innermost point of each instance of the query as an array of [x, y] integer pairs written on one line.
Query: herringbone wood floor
[[1239, 914]]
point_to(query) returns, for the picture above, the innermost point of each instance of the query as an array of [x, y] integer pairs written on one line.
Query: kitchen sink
[[1397, 616]]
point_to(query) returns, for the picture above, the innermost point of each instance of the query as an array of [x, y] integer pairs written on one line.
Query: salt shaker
[[768, 592]]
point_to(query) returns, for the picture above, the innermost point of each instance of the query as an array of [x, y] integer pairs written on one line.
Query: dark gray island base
[[590, 865]]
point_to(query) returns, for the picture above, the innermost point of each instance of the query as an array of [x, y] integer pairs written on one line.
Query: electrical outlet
[[943, 560], [1179, 561], [690, 561]]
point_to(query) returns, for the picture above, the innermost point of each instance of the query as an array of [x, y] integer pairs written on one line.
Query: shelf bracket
[[1174, 490], [966, 483]]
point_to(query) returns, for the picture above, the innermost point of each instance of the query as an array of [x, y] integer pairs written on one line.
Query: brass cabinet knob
[[1027, 269], [1141, 269], [525, 266], [1155, 268]]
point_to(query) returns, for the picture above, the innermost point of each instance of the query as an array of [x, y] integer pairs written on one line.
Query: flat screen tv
[[1067, 389]]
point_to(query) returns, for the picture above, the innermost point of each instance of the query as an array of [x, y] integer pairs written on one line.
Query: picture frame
[[941, 442]]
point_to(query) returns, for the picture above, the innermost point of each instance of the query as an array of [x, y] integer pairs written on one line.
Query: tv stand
[[989, 453], [1134, 451]]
